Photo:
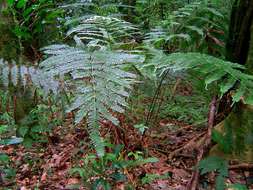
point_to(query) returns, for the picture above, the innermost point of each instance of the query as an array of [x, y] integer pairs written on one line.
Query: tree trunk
[[238, 126], [239, 31]]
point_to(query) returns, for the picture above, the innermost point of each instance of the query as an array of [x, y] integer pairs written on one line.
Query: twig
[[1, 178], [243, 166], [191, 144], [193, 183]]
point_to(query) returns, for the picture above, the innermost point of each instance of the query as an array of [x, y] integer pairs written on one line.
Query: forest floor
[[48, 166]]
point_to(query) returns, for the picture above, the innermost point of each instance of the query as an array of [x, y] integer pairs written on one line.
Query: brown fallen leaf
[[43, 177], [73, 181]]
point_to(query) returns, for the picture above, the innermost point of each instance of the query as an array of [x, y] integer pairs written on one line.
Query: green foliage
[[98, 32], [187, 29], [7, 133], [141, 128], [36, 126], [32, 18], [215, 164], [107, 170], [211, 70], [188, 113], [238, 187], [92, 7], [100, 82], [6, 171], [151, 13], [96, 71], [8, 130], [7, 124], [8, 41]]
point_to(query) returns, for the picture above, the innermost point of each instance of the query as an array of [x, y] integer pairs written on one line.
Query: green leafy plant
[[36, 126], [100, 81], [238, 187], [141, 128], [106, 8], [96, 71], [7, 133], [215, 164], [213, 70], [109, 169], [6, 171], [187, 29], [31, 20], [151, 13], [99, 32], [8, 130]]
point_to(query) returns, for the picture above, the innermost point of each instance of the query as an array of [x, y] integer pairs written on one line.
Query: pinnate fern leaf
[[211, 69], [103, 31], [101, 83]]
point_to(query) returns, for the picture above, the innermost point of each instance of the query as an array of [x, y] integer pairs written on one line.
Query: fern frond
[[103, 31], [108, 8], [77, 4], [101, 83], [187, 29], [212, 69], [24, 76]]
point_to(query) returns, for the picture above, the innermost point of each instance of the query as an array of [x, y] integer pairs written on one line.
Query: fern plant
[[101, 84], [211, 69], [150, 13], [187, 29], [215, 164], [93, 7]]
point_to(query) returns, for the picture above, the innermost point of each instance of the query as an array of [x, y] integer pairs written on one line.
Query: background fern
[[187, 29], [98, 31], [94, 7]]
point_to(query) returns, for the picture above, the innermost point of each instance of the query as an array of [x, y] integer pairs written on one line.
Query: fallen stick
[[189, 145], [193, 183], [243, 166]]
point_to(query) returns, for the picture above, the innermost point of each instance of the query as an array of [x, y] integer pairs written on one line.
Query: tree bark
[[238, 125], [239, 31]]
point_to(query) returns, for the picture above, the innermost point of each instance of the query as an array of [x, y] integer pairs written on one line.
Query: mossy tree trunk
[[238, 126]]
